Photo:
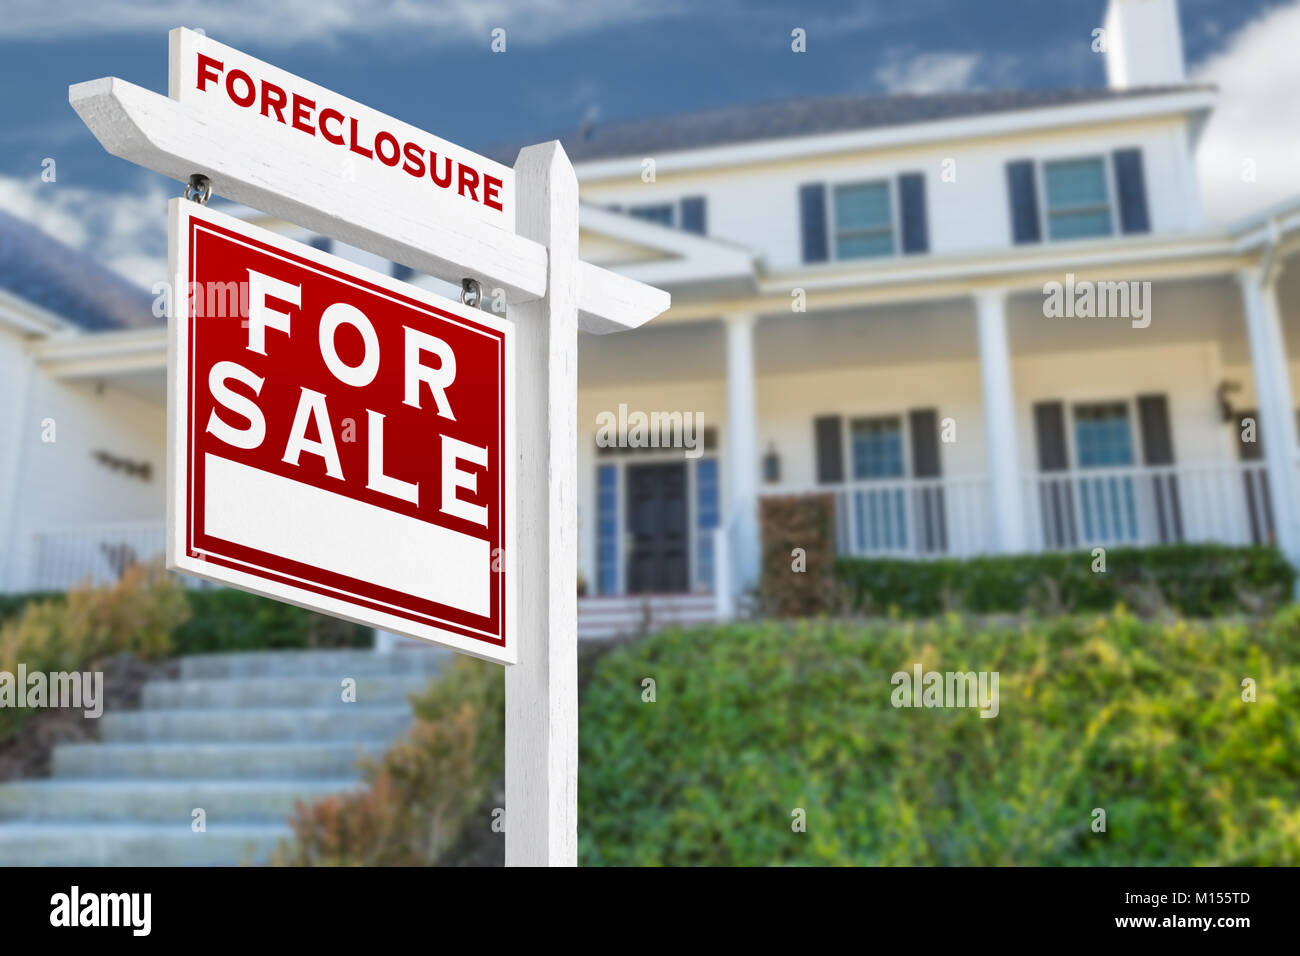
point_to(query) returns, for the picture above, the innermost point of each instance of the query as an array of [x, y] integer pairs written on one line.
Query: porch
[[961, 424], [970, 423]]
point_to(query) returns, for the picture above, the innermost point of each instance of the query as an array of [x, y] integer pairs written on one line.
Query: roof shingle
[[40, 269], [809, 116]]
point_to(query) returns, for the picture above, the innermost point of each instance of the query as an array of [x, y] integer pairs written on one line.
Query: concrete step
[[331, 664], [161, 801], [318, 724], [225, 693], [208, 761], [137, 844]]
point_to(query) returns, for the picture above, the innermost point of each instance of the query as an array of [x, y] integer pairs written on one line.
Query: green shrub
[[12, 605], [1202, 580], [420, 795], [138, 615], [225, 619], [806, 523], [1143, 720]]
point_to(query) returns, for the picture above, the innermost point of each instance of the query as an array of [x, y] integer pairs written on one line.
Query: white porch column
[[742, 452], [1277, 423], [1008, 522]]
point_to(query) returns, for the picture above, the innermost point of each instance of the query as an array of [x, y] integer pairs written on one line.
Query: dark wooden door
[[658, 528]]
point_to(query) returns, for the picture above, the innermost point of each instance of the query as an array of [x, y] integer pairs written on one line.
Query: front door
[[657, 527]]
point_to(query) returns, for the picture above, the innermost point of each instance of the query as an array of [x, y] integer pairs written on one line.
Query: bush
[[226, 619], [137, 615], [806, 523], [12, 605], [421, 794], [1202, 580], [1143, 720]]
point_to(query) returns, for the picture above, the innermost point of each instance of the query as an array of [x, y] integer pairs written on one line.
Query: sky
[[432, 64]]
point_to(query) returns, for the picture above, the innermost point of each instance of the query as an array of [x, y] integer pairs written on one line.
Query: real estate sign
[[348, 443], [339, 440]]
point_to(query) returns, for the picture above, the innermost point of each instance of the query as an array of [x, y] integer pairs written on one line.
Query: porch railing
[[1227, 502], [908, 517], [97, 553]]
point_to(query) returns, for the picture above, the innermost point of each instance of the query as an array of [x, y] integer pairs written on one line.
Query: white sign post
[[266, 138]]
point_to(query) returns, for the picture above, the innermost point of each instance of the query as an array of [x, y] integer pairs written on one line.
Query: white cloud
[[927, 72], [293, 22], [1256, 119], [125, 231]]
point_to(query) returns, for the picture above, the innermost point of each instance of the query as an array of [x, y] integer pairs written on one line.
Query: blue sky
[[431, 63]]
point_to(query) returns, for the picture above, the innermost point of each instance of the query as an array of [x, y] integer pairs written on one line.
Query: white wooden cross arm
[[245, 166]]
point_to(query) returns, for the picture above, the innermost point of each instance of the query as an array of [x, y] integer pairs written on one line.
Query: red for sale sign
[[338, 439]]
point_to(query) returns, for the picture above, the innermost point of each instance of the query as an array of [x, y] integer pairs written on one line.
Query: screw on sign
[[349, 438]]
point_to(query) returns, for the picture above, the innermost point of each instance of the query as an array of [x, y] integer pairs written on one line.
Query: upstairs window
[[690, 214], [864, 222], [661, 213], [1077, 200]]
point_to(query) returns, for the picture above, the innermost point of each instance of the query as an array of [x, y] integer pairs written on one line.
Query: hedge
[[12, 605], [752, 724], [225, 619], [423, 794], [1201, 580], [137, 615]]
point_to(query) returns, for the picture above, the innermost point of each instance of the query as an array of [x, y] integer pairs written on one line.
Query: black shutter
[[928, 504], [694, 217], [925, 442], [1131, 186], [911, 201], [1055, 496], [1049, 427], [812, 215], [1157, 451], [1024, 201], [1153, 419], [828, 435]]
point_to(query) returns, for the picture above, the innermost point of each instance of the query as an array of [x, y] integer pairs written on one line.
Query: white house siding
[[14, 378], [969, 214], [63, 485]]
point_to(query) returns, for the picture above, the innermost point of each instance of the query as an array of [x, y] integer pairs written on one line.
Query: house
[[985, 322]]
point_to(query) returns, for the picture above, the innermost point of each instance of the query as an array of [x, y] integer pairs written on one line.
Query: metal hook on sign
[[471, 293], [199, 189]]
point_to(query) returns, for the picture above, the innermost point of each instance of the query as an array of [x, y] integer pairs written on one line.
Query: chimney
[[1143, 44]]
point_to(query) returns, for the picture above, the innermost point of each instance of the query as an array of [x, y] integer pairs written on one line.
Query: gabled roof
[[70, 285], [811, 116]]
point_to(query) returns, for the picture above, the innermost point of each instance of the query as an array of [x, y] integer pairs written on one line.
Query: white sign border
[[179, 213]]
